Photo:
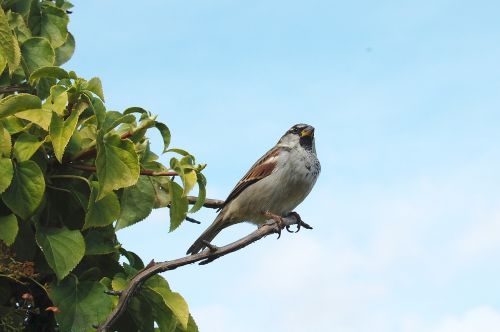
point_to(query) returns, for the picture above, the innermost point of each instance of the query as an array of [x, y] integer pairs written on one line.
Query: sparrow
[[275, 185]]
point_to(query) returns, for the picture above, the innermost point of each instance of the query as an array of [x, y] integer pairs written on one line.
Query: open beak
[[307, 132]]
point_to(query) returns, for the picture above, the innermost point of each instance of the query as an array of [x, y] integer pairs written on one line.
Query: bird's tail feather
[[208, 235]]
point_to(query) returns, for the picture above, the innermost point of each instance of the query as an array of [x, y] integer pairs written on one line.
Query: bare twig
[[206, 256], [209, 203], [194, 221], [15, 88], [150, 172]]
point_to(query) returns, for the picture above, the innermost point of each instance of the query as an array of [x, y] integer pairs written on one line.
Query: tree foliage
[[72, 173]]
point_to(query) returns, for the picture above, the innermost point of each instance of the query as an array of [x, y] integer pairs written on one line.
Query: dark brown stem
[[206, 256], [150, 172], [15, 88], [209, 203]]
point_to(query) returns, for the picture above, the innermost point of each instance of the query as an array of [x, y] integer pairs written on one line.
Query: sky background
[[405, 98]]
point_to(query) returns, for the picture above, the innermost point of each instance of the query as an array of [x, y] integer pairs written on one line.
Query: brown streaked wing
[[262, 168]]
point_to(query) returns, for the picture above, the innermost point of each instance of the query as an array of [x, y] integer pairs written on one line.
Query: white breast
[[280, 192]]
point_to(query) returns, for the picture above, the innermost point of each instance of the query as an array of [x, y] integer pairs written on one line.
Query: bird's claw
[[277, 222], [300, 222]]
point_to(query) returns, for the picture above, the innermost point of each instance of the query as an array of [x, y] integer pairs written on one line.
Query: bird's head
[[302, 134]]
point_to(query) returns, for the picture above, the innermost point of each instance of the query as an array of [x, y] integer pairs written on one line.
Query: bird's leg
[[300, 222], [210, 246], [277, 220]]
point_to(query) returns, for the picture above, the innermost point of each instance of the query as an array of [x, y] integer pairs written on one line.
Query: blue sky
[[405, 100]]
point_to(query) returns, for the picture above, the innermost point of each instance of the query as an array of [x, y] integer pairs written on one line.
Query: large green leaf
[[83, 304], [40, 117], [54, 25], [17, 24], [9, 47], [202, 192], [57, 100], [178, 207], [61, 132], [173, 301], [50, 71], [25, 147], [136, 203], [37, 53], [102, 212], [165, 134], [6, 173], [16, 103], [25, 193], [100, 241], [63, 249], [117, 163], [5, 143], [65, 51], [8, 229], [95, 86]]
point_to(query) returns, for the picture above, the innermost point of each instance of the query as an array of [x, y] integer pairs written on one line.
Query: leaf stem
[[69, 176]]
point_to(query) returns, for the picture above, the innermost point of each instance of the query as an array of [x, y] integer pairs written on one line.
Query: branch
[[209, 203], [204, 257], [150, 172], [15, 88]]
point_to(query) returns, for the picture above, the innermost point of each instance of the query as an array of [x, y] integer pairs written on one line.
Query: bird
[[273, 187]]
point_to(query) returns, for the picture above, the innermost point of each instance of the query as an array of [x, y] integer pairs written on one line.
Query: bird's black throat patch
[[306, 142]]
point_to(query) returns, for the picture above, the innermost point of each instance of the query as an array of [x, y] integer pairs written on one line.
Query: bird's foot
[[300, 222], [277, 221], [211, 247]]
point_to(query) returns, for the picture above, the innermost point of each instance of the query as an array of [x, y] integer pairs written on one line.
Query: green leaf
[[50, 71], [120, 282], [95, 86], [12, 124], [114, 119], [9, 47], [16, 22], [25, 147], [179, 151], [6, 173], [202, 193], [135, 109], [16, 103], [162, 195], [116, 162], [99, 109], [61, 132], [37, 53], [136, 203], [102, 212], [5, 143], [40, 117], [165, 134], [99, 242], [25, 193], [8, 229], [63, 249], [54, 25], [179, 206], [185, 170], [175, 302], [57, 100], [65, 51], [83, 304]]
